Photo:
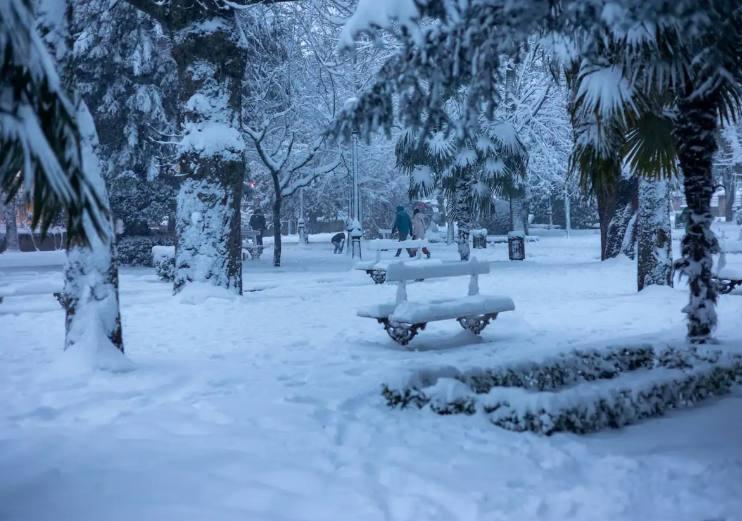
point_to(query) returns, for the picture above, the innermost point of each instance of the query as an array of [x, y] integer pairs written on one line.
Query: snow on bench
[[50, 286], [250, 248], [377, 268], [727, 278], [403, 319]]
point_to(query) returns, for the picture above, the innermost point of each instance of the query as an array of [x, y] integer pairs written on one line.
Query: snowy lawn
[[268, 406]]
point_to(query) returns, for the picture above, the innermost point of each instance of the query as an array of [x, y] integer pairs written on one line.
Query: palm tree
[[642, 51], [469, 171], [668, 94], [40, 139]]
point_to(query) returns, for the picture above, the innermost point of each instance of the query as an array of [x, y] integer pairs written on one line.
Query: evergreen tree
[[128, 79]]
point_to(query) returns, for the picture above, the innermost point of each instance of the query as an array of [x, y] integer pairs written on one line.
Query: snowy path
[[268, 408]]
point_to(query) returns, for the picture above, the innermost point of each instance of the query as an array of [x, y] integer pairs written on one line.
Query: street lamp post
[[356, 230], [303, 239]]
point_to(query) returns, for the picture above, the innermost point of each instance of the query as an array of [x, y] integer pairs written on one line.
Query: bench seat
[[53, 287], [443, 309], [729, 273], [37, 287]]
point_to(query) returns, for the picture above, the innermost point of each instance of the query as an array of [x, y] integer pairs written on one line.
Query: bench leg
[[725, 286], [476, 324], [401, 333], [378, 276], [60, 298]]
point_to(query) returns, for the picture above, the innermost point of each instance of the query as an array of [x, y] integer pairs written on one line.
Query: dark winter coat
[[402, 223], [338, 238], [257, 222]]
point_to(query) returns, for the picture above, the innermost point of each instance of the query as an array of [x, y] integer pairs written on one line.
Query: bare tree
[[290, 171]]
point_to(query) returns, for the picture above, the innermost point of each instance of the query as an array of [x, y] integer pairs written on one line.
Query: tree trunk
[[91, 281], [11, 226], [695, 134], [730, 189], [654, 251], [518, 219], [606, 208], [462, 213], [624, 204], [91, 293], [277, 200], [210, 65], [568, 214]]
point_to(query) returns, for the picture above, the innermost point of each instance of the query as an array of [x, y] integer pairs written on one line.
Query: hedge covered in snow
[[580, 392], [136, 250], [163, 259]]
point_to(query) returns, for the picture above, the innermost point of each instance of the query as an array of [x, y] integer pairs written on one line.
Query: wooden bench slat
[[400, 271], [391, 244], [445, 309]]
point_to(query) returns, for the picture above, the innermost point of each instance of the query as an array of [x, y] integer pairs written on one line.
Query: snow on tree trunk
[[91, 286], [462, 214], [450, 235], [277, 230], [518, 218], [93, 335], [620, 214], [210, 64], [730, 189], [11, 227], [695, 130], [654, 251], [628, 246]]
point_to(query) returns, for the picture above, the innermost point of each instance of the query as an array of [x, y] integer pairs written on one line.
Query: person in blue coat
[[402, 226]]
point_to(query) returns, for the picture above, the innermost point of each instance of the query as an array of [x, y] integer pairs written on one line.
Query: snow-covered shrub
[[582, 391], [137, 250], [163, 259], [610, 407]]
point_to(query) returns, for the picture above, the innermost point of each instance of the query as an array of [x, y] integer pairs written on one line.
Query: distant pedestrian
[[338, 241], [257, 223], [418, 228], [402, 226]]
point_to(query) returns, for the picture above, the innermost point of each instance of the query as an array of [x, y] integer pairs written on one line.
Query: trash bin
[[516, 246]]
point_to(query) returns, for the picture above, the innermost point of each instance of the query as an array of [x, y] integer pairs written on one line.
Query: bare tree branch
[[157, 9]]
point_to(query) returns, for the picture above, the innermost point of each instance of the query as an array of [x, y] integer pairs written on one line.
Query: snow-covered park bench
[[250, 246], [53, 287], [727, 277], [403, 319], [377, 268]]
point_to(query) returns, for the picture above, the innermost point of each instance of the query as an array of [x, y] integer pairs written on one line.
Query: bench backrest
[[390, 244], [400, 272]]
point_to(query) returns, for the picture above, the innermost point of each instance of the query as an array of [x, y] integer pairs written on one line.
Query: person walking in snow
[[402, 226], [257, 223], [338, 241], [418, 229]]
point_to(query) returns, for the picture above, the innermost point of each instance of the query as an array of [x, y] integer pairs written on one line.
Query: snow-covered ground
[[267, 407]]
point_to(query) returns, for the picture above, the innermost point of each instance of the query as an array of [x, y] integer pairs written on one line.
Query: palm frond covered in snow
[[38, 132]]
